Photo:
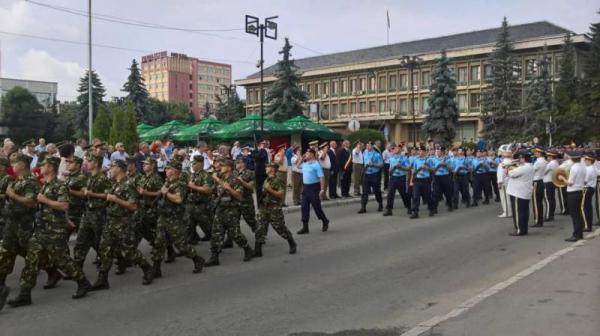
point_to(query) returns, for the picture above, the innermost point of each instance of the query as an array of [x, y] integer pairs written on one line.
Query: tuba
[[555, 177]]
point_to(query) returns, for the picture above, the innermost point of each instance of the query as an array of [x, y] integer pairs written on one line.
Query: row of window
[[204, 69]]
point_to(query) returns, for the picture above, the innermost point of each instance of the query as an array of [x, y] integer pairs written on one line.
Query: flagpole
[[388, 26]]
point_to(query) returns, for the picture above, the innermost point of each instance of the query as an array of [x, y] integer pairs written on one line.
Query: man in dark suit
[[335, 168], [261, 158], [345, 167], [139, 157]]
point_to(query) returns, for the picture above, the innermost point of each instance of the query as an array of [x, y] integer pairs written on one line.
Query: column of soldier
[[112, 208]]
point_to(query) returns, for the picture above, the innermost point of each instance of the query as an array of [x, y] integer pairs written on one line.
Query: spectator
[[142, 154], [236, 150], [41, 147], [119, 153], [82, 145]]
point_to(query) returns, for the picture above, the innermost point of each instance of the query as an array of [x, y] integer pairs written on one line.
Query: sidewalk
[[560, 299]]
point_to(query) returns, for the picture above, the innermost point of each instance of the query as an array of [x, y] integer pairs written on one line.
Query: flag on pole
[[388, 18]]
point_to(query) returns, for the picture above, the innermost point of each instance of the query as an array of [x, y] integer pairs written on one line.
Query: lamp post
[[410, 63], [268, 30]]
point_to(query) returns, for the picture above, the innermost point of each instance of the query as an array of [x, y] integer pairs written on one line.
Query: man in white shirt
[[201, 150], [539, 169], [386, 165], [549, 187], [575, 186], [41, 147], [562, 197], [357, 167], [502, 178], [520, 188], [589, 191], [119, 153], [325, 163], [236, 150]]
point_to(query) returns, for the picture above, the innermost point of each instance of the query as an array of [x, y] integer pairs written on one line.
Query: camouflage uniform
[[147, 210], [92, 223], [199, 206], [19, 224], [227, 218], [5, 179], [247, 203], [76, 181], [271, 213]]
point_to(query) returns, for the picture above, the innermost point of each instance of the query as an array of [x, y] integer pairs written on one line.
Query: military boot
[[4, 291], [170, 255], [156, 269], [363, 209], [257, 250], [198, 264], [304, 229], [292, 244], [205, 238], [248, 253], [387, 212], [54, 277], [213, 261], [83, 286], [101, 283], [121, 266], [23, 299], [148, 274], [380, 207], [228, 243]]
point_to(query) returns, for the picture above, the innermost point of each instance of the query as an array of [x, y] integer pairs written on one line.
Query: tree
[[230, 110], [500, 113], [66, 125], [136, 91], [179, 111], [102, 124], [23, 115], [442, 114], [123, 126], [284, 96], [98, 94], [591, 85], [538, 101], [365, 135]]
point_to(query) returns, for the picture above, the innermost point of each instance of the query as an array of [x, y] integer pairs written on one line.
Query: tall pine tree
[[538, 101], [441, 120], [284, 96], [102, 124], [230, 110], [123, 127], [136, 92], [98, 93], [501, 99], [592, 79]]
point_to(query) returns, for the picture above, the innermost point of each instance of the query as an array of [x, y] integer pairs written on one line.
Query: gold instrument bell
[[559, 183]]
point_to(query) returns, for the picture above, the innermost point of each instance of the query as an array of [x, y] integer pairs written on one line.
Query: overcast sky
[[314, 26]]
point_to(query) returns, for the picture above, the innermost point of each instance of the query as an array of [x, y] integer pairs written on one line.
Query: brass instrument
[[559, 183], [510, 166]]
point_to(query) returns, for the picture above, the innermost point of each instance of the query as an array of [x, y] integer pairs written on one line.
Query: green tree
[[500, 113], [98, 94], [23, 115], [179, 111], [284, 96], [364, 135], [136, 91], [441, 120], [123, 126], [230, 110], [591, 85], [538, 101], [102, 124], [66, 125]]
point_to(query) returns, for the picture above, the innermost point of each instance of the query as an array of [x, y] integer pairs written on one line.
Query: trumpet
[[510, 166], [556, 180]]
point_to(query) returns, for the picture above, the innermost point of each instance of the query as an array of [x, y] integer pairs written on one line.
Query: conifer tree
[[98, 93], [136, 91]]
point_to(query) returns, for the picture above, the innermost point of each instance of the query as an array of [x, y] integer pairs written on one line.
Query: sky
[[315, 27]]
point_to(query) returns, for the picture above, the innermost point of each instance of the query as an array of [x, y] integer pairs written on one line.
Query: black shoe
[[170, 255], [497, 199], [54, 277], [198, 264], [572, 239], [325, 226], [304, 229], [468, 205], [148, 274], [387, 212], [435, 211], [450, 209], [474, 204], [362, 210], [292, 244], [414, 215], [248, 253], [409, 212], [83, 287], [515, 234], [121, 267], [431, 213], [101, 283], [205, 238], [551, 219], [455, 207], [213, 260], [4, 291], [228, 243], [486, 202], [23, 299], [536, 226], [587, 230], [156, 271], [257, 250], [380, 208]]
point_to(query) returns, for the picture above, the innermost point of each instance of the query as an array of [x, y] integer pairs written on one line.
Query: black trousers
[[333, 182], [442, 185], [588, 208], [386, 175], [538, 202], [550, 198], [481, 183], [398, 183], [493, 177], [345, 182], [520, 214], [371, 184], [461, 185], [260, 180], [574, 199], [310, 196], [562, 197], [421, 188]]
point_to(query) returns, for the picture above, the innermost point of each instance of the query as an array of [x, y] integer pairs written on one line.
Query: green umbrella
[[249, 127], [163, 131], [206, 126], [143, 128], [311, 129]]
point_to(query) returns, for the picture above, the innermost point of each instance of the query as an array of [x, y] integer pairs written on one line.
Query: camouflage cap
[[94, 158], [227, 162], [4, 162], [174, 164], [198, 158], [75, 159], [51, 160], [119, 163], [149, 161], [23, 158]]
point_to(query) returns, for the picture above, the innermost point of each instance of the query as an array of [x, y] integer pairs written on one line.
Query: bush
[[365, 135]]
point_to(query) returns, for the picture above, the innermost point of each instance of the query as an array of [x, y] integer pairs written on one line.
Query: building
[[178, 78], [45, 92], [371, 86]]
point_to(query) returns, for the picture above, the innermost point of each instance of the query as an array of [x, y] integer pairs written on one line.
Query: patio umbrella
[[143, 128], [163, 131], [205, 127], [310, 129], [249, 127]]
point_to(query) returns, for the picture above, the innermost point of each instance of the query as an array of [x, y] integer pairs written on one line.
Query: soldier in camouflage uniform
[[117, 234], [246, 178], [94, 217], [170, 211], [19, 214], [5, 180], [270, 213], [148, 188], [199, 205], [227, 214], [48, 240]]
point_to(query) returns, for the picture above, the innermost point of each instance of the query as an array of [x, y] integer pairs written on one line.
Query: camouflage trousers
[[145, 226], [248, 212], [200, 215], [170, 225], [48, 250], [17, 233], [118, 242], [2, 225], [271, 217], [89, 235], [227, 220], [76, 218]]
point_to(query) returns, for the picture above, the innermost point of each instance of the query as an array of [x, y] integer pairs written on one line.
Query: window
[[403, 106], [462, 75], [334, 111], [393, 79], [334, 87], [425, 104], [372, 84], [344, 85], [308, 89], [550, 67], [326, 88], [474, 102], [352, 85], [372, 107], [343, 108], [415, 80], [466, 132], [382, 106], [317, 89], [475, 74], [382, 84], [392, 105], [530, 68], [403, 82], [415, 105], [250, 97], [301, 86], [487, 71], [426, 79], [362, 107], [517, 69], [462, 103], [353, 108], [362, 84]]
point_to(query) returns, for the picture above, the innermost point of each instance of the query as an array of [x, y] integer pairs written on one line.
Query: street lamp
[[410, 63], [269, 30]]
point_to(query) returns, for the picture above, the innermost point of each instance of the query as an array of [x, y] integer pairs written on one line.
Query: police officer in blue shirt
[[421, 182], [373, 163], [481, 180], [313, 187], [460, 171], [399, 168], [493, 161], [442, 181]]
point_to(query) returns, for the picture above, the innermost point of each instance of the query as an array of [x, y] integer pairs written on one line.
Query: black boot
[[23, 299], [121, 266], [486, 202], [54, 277], [170, 255], [450, 208], [228, 243], [431, 213], [4, 291], [148, 274], [304, 229], [157, 273], [257, 250], [325, 226], [380, 208], [414, 215], [474, 204], [83, 286], [363, 209], [205, 238], [198, 264], [213, 260], [101, 282], [387, 212], [292, 244], [248, 253]]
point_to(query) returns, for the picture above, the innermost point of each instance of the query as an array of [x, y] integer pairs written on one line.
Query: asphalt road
[[369, 275]]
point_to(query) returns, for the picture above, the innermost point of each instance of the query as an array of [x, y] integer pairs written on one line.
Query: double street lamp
[[262, 30], [411, 63]]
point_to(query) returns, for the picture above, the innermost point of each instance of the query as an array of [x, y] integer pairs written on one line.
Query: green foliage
[[159, 112], [23, 115], [98, 94], [284, 96], [66, 126], [102, 124], [123, 126], [230, 110], [136, 92], [442, 114], [179, 111], [591, 85], [538, 101], [364, 135]]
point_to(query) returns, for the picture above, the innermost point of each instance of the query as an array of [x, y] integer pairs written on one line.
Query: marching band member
[[575, 185], [539, 168], [588, 192], [494, 161], [562, 197], [502, 176], [480, 179], [549, 187], [519, 189]]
